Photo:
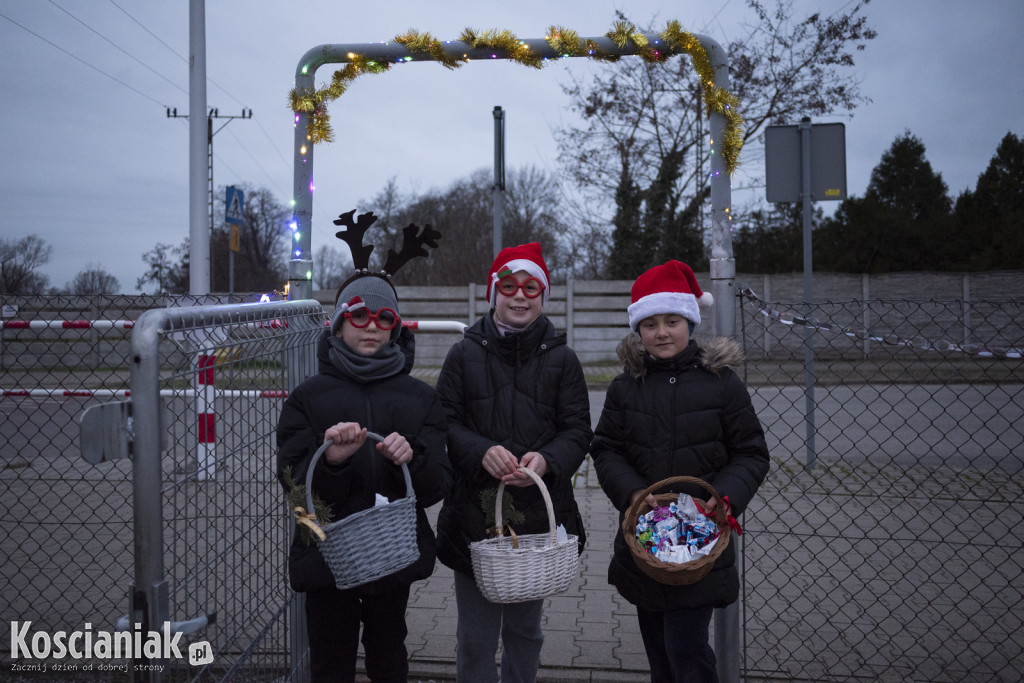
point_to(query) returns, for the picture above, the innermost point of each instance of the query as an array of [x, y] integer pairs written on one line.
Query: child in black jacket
[[515, 396], [677, 409], [363, 385]]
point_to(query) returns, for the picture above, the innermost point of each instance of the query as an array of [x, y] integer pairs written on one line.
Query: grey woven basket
[[355, 547], [539, 567]]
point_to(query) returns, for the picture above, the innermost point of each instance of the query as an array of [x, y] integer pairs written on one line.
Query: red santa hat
[[513, 259], [669, 288]]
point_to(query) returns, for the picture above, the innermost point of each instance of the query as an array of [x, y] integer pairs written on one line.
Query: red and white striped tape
[[798, 320]]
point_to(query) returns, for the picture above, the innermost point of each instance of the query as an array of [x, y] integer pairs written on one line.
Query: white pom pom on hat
[[669, 288]]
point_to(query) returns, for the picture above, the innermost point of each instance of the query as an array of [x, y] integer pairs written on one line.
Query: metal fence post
[[149, 598], [723, 288], [570, 327], [300, 364]]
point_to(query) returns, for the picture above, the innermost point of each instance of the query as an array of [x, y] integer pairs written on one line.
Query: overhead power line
[[79, 59], [118, 47]]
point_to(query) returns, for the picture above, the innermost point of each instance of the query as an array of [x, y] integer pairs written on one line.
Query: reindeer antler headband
[[413, 241]]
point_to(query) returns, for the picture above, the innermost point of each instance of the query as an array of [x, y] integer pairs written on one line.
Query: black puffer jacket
[[525, 391], [400, 404], [689, 415]]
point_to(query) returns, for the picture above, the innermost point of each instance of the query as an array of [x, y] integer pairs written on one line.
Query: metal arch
[[723, 267]]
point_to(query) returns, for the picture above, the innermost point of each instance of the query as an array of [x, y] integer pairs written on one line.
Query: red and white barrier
[[68, 324], [203, 388], [416, 325], [123, 393]]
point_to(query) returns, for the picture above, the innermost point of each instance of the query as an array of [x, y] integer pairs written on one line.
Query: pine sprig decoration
[[509, 514], [297, 499]]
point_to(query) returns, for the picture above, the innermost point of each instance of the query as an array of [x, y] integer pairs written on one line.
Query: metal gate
[[170, 512], [209, 381]]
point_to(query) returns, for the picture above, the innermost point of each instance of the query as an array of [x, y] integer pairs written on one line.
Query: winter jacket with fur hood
[[525, 391], [689, 415], [399, 403]]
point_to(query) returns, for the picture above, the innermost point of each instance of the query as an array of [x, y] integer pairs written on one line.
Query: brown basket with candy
[[675, 573]]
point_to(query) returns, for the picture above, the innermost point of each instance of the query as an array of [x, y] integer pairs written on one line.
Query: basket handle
[[323, 449], [720, 516], [499, 522]]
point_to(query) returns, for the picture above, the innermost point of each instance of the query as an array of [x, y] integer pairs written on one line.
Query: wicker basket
[[539, 567], [353, 548], [674, 573]]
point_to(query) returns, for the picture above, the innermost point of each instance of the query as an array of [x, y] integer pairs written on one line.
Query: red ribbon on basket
[[732, 520]]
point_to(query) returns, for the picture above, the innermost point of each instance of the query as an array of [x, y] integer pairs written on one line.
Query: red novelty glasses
[[509, 285], [385, 318]]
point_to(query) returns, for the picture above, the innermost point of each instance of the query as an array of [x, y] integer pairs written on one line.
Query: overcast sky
[[90, 162]]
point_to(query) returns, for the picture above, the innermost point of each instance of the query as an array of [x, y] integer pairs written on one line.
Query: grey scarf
[[386, 362]]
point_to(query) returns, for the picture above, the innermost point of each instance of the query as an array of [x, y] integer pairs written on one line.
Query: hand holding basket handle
[[348, 437]]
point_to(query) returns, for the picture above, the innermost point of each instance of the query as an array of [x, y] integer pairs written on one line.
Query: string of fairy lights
[[565, 42], [568, 43]]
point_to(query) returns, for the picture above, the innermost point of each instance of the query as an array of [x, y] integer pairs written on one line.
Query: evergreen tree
[[990, 220], [632, 244], [903, 222], [771, 241]]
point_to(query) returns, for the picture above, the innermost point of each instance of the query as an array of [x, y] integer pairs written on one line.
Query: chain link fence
[[66, 525], [885, 544], [71, 552]]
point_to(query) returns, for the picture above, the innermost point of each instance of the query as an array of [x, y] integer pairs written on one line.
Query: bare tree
[[169, 275], [93, 279], [330, 266], [19, 264], [640, 154], [261, 263], [464, 214]]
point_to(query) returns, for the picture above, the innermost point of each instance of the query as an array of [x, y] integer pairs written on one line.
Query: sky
[[91, 162]]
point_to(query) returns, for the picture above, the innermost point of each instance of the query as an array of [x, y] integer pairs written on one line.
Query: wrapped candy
[[678, 532]]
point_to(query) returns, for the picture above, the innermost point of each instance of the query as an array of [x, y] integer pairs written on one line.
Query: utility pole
[[210, 132], [498, 189]]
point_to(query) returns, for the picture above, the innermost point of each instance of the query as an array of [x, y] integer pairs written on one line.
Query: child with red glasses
[[363, 385], [515, 396]]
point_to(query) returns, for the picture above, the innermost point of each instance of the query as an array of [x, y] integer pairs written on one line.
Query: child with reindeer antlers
[[516, 397], [363, 389]]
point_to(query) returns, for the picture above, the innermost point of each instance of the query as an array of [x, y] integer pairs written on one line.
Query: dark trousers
[[333, 618], [677, 645]]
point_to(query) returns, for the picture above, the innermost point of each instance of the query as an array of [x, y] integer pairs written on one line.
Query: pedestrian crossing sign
[[234, 205]]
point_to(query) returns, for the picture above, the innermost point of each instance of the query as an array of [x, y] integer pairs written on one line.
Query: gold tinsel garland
[[564, 41]]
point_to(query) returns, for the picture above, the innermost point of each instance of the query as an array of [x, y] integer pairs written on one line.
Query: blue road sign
[[234, 203]]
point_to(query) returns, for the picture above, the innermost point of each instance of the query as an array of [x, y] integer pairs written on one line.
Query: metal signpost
[[234, 216], [805, 163]]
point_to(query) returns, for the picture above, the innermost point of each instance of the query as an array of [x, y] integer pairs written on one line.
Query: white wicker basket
[[539, 567], [353, 548]]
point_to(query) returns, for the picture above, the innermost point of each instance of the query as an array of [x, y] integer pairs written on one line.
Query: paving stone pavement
[[590, 632]]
